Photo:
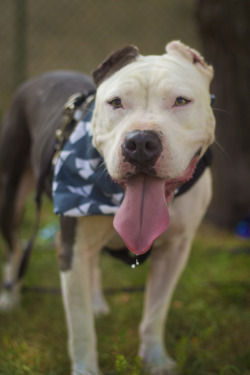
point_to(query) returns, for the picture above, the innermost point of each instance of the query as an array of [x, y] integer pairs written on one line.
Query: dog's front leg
[[79, 242], [79, 315], [166, 266], [76, 290], [78, 308]]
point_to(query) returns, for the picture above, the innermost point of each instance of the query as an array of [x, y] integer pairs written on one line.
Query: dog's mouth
[[143, 215]]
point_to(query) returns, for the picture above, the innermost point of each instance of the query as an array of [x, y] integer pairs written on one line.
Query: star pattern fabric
[[81, 184]]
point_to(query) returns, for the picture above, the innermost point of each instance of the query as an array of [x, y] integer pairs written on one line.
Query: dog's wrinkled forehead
[[127, 55]]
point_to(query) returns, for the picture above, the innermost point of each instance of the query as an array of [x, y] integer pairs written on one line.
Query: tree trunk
[[224, 27]]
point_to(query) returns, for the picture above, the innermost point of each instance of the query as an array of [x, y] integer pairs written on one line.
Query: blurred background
[[208, 332], [41, 35], [37, 36]]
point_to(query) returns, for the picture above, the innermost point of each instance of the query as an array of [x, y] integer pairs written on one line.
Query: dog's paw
[[163, 370], [9, 300], [80, 368], [168, 368], [156, 361], [85, 373], [100, 307]]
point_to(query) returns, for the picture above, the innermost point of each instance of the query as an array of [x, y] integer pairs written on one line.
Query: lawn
[[208, 326]]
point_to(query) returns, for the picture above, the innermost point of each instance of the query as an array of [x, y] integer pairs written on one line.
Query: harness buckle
[[72, 103]]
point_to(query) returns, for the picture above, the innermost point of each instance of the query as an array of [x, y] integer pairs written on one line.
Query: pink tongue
[[143, 215]]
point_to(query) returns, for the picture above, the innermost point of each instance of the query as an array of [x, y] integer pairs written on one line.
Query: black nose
[[142, 146]]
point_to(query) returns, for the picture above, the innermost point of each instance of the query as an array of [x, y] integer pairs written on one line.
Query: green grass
[[208, 325]]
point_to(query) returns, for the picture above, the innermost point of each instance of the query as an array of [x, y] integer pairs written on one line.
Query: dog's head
[[152, 122]]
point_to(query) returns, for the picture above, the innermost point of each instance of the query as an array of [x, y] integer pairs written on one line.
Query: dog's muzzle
[[142, 148]]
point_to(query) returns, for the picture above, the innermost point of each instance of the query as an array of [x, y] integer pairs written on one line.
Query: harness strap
[[204, 162], [74, 109]]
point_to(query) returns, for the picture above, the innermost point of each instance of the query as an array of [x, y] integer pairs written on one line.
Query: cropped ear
[[114, 62], [178, 48]]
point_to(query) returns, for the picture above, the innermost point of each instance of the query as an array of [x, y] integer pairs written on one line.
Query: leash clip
[[72, 103]]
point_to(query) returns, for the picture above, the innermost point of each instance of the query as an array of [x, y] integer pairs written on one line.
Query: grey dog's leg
[[15, 182]]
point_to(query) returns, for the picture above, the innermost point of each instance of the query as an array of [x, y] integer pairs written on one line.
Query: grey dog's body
[[26, 140]]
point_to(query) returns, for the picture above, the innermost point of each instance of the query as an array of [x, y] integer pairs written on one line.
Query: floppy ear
[[178, 48], [114, 62]]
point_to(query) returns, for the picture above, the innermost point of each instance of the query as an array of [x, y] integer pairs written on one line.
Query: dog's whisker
[[223, 111], [103, 167], [222, 149]]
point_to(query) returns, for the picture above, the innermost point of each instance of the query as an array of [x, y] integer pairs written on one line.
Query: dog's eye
[[116, 103], [181, 101]]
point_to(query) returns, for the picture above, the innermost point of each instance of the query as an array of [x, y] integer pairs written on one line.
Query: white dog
[[152, 125]]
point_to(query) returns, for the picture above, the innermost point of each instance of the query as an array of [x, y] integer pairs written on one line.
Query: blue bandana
[[81, 184]]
